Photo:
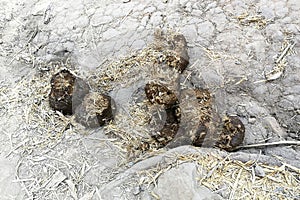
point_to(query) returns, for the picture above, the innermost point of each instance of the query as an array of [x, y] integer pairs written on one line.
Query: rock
[[259, 171], [67, 92], [8, 188], [272, 124], [181, 183], [95, 110]]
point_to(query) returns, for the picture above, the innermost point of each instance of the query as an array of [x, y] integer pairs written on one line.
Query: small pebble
[[259, 171], [252, 120], [136, 190]]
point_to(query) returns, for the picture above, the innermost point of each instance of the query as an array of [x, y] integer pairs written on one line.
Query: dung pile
[[162, 65], [70, 94]]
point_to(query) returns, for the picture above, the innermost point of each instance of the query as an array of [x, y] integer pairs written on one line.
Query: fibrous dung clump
[[174, 46], [232, 134], [67, 92], [204, 106], [160, 94], [95, 110]]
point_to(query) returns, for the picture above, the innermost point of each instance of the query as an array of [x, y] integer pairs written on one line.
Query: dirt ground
[[245, 52]]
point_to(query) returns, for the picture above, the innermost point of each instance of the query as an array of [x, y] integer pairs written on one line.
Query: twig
[[33, 35], [98, 193], [290, 46], [16, 147], [125, 17], [30, 196], [269, 144], [292, 167], [102, 139], [234, 188], [63, 161]]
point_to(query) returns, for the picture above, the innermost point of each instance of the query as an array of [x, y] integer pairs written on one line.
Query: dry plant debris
[[243, 181], [149, 64], [168, 49], [247, 19], [281, 62], [143, 65], [30, 96], [42, 131], [234, 179]]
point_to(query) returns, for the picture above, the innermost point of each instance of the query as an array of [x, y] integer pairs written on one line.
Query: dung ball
[[232, 134], [160, 94], [67, 92], [95, 110]]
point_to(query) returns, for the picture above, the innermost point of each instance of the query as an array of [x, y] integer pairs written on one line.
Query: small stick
[[33, 35], [30, 196], [59, 160], [270, 144], [291, 45], [189, 75], [98, 193], [125, 17], [17, 146]]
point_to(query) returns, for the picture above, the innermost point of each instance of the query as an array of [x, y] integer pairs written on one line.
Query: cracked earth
[[245, 52]]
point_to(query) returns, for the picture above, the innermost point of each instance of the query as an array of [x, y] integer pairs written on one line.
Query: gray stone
[[138, 44], [259, 171], [8, 188], [190, 32], [273, 126], [181, 183], [205, 29]]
